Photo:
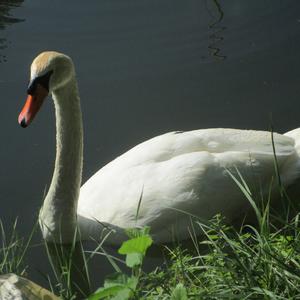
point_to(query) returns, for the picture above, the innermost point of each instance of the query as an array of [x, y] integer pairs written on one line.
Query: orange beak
[[32, 105]]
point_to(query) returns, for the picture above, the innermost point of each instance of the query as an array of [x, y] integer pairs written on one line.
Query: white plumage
[[175, 175], [185, 171]]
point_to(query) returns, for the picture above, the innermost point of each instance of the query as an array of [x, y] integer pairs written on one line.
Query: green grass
[[261, 262], [13, 249], [235, 265], [251, 263], [226, 263]]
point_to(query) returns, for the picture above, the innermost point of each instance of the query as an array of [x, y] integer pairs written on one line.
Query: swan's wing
[[216, 140], [181, 171]]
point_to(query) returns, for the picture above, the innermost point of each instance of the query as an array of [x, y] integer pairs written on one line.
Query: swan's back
[[215, 140], [184, 171]]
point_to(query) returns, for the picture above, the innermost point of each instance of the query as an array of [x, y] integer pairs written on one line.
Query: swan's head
[[49, 72]]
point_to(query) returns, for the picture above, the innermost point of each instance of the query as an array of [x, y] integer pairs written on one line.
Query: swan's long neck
[[58, 216]]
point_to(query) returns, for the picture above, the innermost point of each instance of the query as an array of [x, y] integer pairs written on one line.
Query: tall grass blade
[[247, 195]]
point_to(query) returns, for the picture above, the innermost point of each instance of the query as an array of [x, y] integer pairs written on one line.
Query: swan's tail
[[291, 169], [295, 134]]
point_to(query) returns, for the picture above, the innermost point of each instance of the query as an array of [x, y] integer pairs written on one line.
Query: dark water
[[144, 68]]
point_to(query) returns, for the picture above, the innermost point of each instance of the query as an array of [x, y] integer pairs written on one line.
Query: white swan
[[174, 172]]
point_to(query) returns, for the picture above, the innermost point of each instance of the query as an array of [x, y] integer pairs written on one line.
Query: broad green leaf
[[134, 259], [106, 292], [118, 286], [136, 245], [132, 282], [115, 279], [179, 293], [124, 294]]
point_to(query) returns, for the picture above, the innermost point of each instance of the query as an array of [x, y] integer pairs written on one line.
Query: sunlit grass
[[13, 249], [261, 262], [235, 265]]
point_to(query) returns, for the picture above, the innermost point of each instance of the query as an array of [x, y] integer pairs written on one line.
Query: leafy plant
[[120, 286]]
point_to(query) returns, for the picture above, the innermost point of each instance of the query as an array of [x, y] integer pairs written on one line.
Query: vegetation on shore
[[261, 262]]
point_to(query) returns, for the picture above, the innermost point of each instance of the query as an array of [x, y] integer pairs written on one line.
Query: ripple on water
[[6, 19]]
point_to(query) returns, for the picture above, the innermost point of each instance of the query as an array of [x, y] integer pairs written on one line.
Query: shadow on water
[[7, 19]]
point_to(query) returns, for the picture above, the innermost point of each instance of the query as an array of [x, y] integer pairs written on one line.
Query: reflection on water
[[215, 11], [7, 19]]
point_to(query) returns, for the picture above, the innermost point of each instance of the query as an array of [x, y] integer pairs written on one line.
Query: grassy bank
[[226, 264], [253, 263], [261, 262]]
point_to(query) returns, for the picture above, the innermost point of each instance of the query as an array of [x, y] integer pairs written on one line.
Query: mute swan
[[173, 172]]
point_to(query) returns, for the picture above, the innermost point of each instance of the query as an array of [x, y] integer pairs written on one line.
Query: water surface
[[144, 68]]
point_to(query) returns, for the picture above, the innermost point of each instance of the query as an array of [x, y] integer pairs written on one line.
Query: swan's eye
[[42, 80]]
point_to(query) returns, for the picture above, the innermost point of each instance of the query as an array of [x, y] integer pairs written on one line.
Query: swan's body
[[171, 173], [185, 171]]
